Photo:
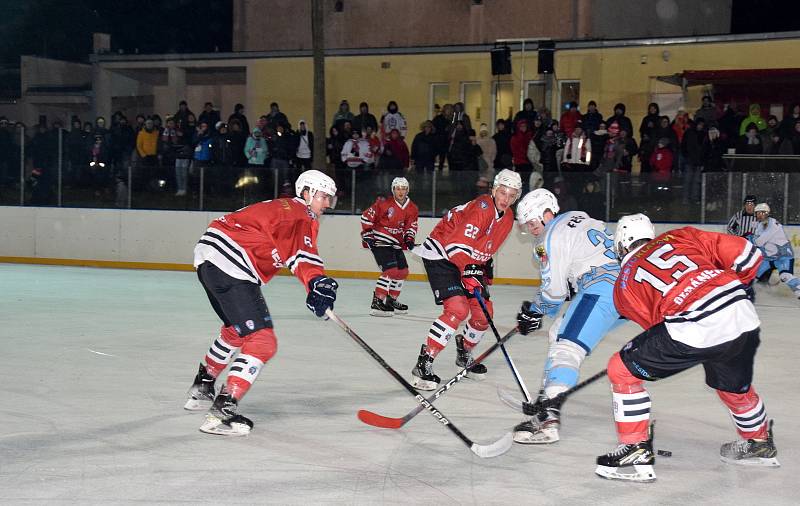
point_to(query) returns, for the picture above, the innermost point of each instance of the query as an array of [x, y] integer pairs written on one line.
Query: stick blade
[[509, 399], [495, 449], [376, 420]]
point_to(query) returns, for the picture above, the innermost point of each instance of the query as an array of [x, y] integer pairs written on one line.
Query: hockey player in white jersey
[[575, 250], [776, 248]]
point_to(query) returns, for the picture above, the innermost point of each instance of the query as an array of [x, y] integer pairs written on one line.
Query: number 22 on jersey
[[663, 273]]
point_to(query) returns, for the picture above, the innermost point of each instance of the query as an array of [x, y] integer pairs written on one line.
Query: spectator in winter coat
[[147, 142], [333, 148], [623, 121], [787, 125], [716, 148], [221, 175], [548, 148], [77, 141], [770, 136], [754, 118], [665, 130], [661, 162], [695, 144], [680, 124], [503, 159], [355, 152], [184, 153], [283, 148], [392, 119], [238, 139], [598, 139], [100, 128], [304, 155], [441, 129], [364, 119], [122, 143], [729, 125], [256, 149], [395, 152], [342, 115], [169, 143], [577, 155], [527, 114], [570, 119], [181, 117], [707, 111], [375, 147], [276, 117], [461, 151], [238, 115], [750, 143], [630, 149], [423, 148], [791, 144], [460, 115], [519, 147], [99, 164], [202, 145], [488, 148], [210, 116], [648, 123], [592, 119]]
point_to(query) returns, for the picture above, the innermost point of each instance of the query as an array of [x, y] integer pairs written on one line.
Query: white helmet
[[315, 181], [534, 204], [630, 229], [762, 207], [508, 178], [400, 182]]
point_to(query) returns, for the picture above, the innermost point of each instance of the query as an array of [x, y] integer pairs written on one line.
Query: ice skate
[[399, 307], [464, 359], [751, 452], [630, 462], [222, 419], [422, 377], [201, 394], [542, 429], [381, 308]]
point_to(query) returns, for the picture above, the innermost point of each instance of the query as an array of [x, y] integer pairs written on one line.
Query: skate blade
[[421, 384], [753, 462], [379, 313], [193, 404], [214, 425], [401, 311], [640, 474], [540, 437], [476, 377]]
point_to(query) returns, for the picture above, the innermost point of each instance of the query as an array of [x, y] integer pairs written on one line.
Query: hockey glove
[[528, 319], [408, 241], [366, 239], [321, 294], [472, 278]]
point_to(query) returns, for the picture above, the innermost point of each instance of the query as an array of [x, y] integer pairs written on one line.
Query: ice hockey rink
[[98, 361]]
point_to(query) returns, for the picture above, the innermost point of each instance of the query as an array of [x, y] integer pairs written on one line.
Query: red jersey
[[255, 242], [693, 281], [469, 234], [388, 223]]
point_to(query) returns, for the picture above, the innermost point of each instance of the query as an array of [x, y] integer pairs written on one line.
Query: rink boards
[[146, 239]]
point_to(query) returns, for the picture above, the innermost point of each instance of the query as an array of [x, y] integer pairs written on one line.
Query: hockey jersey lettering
[[469, 234], [388, 223], [694, 282], [255, 242]]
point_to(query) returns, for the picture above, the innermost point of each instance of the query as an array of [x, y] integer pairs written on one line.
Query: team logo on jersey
[[250, 324], [484, 205], [390, 212], [541, 254]]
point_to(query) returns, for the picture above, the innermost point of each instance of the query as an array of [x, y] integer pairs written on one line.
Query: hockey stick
[[534, 408], [494, 449], [385, 422], [514, 371]]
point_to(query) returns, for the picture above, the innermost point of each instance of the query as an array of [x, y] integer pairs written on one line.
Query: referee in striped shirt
[[744, 222]]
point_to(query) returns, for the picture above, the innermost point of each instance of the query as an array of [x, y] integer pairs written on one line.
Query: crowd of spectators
[[165, 154]]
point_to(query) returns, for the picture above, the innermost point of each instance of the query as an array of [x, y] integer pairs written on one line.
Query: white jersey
[[771, 239], [573, 246]]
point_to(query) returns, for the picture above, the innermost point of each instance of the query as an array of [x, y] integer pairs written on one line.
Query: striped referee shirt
[[742, 224]]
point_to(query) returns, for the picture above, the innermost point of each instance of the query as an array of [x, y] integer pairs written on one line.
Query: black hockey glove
[[321, 294], [472, 277], [528, 319], [408, 241], [489, 267], [366, 240]]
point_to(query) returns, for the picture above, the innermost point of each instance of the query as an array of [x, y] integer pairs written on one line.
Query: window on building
[[535, 91], [439, 95], [471, 96], [504, 101]]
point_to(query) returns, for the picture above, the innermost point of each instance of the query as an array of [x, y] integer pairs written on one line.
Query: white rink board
[[170, 236], [99, 361]]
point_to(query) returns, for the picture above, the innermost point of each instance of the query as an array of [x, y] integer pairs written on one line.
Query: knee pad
[[456, 310], [400, 274], [261, 344], [564, 359], [620, 376]]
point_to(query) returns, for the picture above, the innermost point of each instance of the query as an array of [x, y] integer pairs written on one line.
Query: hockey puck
[[664, 453]]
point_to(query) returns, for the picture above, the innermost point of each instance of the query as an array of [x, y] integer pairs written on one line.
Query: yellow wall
[[607, 76]]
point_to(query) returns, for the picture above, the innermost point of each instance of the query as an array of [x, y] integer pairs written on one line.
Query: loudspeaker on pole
[[546, 53]]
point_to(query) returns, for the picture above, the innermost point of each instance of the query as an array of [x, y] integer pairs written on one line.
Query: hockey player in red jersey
[[388, 227], [239, 252], [457, 256], [689, 289]]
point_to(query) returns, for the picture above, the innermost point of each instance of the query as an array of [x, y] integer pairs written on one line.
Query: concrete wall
[[619, 19], [165, 239], [36, 71]]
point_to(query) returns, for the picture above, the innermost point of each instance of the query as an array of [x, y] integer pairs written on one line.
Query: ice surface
[[97, 363]]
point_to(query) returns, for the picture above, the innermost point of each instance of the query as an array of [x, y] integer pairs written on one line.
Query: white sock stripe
[[472, 335], [631, 407], [441, 332], [751, 420], [246, 367], [221, 353], [749, 414]]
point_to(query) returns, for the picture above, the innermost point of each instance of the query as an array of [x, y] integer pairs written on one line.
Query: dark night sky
[[63, 28]]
